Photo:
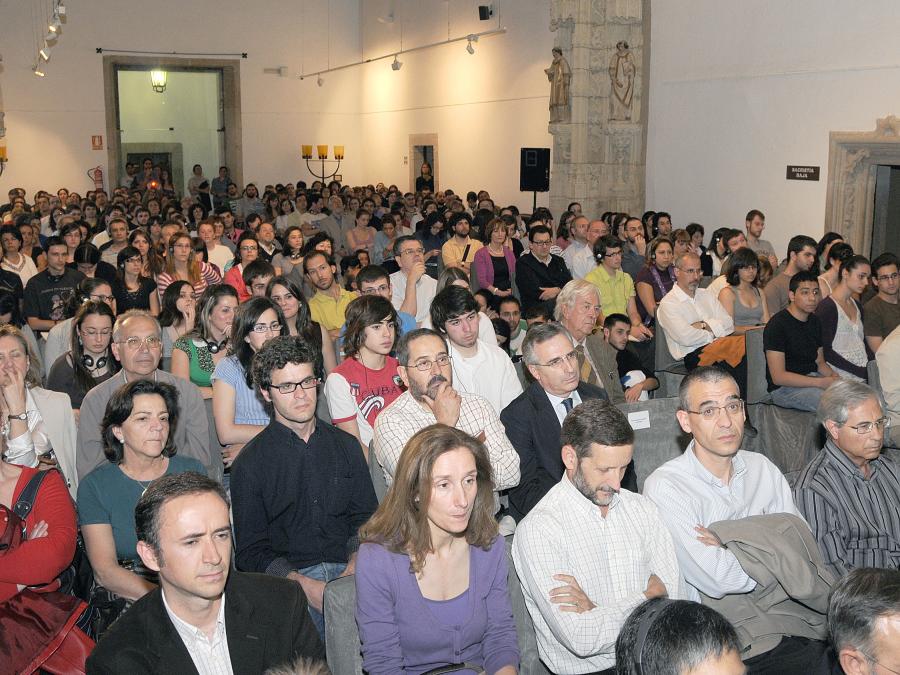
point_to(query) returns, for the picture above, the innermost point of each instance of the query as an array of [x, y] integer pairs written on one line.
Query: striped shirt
[[855, 520], [210, 656]]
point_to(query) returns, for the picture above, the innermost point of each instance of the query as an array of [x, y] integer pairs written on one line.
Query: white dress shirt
[[579, 259], [490, 374], [677, 311], [688, 495], [210, 657], [426, 289], [612, 559], [556, 402], [26, 448]]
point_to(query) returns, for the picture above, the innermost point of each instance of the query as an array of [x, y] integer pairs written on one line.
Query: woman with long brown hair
[[183, 264], [431, 572]]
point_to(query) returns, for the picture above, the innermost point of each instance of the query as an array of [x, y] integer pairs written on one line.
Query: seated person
[[413, 290], [540, 275], [850, 492], [882, 312], [431, 573], [677, 637], [590, 552], [301, 488], [247, 252], [479, 367], [375, 280], [43, 305], [287, 293], [89, 360], [534, 419], [510, 311], [256, 276], [183, 530], [140, 449], [863, 616], [364, 383], [424, 367], [330, 301], [59, 338], [795, 363], [888, 359], [714, 480], [617, 294], [636, 381], [741, 296]]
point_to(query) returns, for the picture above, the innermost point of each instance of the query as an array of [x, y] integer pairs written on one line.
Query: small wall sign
[[96, 142], [802, 172]]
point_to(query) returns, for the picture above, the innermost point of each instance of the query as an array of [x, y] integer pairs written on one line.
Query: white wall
[[739, 90]]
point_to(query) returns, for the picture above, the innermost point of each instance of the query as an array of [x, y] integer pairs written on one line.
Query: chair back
[[757, 385], [529, 658], [342, 646], [376, 473]]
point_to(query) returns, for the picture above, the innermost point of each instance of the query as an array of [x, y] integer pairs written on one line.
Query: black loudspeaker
[[534, 170], [485, 12]]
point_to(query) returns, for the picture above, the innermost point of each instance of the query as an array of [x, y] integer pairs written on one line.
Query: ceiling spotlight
[[38, 71], [45, 52], [471, 47], [397, 64], [320, 81]]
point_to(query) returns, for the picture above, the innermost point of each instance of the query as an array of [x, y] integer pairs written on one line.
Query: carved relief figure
[[560, 76], [621, 74]]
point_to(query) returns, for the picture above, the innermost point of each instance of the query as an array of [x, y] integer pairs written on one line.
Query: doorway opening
[[423, 148], [886, 216]]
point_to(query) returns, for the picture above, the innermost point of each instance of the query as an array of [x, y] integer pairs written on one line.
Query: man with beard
[[328, 305], [460, 249], [590, 552], [430, 398]]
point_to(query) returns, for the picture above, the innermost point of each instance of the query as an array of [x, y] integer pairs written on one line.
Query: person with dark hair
[[290, 260], [118, 239], [634, 249], [183, 264], [269, 246], [617, 294], [661, 223], [412, 290], [563, 548], [301, 488], [139, 448], [882, 313], [184, 535], [796, 370], [494, 263], [257, 276], [366, 381], [863, 619], [46, 292], [801, 256], [843, 336], [831, 276], [287, 293], [655, 279], [696, 232], [431, 576], [89, 360], [375, 280], [247, 252], [87, 261], [510, 312], [460, 249], [677, 637], [329, 304], [540, 275], [741, 297], [176, 317], [238, 410], [479, 367], [635, 380], [754, 224], [59, 338], [131, 288]]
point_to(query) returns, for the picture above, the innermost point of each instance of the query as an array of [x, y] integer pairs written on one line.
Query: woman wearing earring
[[196, 355], [247, 252], [89, 361], [131, 288], [139, 448]]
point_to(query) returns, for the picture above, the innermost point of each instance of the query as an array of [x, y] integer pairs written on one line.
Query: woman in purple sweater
[[431, 572]]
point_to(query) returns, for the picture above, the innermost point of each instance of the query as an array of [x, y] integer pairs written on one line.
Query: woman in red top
[[50, 527], [247, 252]]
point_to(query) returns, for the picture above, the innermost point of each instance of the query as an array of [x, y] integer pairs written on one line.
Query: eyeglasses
[[540, 243], [570, 358], [879, 663], [273, 327], [372, 290], [419, 251], [711, 412], [103, 298], [291, 387], [249, 248], [134, 343], [888, 277], [866, 427], [424, 365]]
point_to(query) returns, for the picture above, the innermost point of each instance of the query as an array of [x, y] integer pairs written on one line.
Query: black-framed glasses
[[866, 427], [102, 298], [424, 365], [888, 277], [291, 387], [273, 327], [711, 412]]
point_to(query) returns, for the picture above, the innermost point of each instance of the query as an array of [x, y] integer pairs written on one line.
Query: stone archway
[[852, 161]]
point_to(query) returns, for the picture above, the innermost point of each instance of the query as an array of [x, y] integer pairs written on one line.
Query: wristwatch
[[23, 416]]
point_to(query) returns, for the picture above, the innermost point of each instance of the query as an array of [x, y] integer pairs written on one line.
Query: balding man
[[579, 255], [137, 346]]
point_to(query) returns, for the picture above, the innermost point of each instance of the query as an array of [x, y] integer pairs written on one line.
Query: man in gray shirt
[[137, 346], [755, 223], [801, 255]]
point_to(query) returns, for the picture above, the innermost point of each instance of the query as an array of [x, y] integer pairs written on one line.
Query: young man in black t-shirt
[[46, 292], [636, 380], [795, 365]]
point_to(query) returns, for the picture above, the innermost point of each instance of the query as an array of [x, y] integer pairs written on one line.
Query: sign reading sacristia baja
[[802, 172]]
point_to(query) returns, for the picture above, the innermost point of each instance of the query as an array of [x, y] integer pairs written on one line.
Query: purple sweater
[[398, 632]]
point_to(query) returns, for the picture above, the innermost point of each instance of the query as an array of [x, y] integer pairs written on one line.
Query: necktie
[[586, 372], [567, 404]]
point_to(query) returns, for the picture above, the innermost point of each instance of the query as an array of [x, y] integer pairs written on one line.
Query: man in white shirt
[[579, 255], [478, 367], [510, 310], [184, 626], [412, 289], [590, 552]]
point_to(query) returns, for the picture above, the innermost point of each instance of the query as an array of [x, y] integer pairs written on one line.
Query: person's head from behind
[[597, 444], [454, 312], [864, 621], [442, 489], [183, 529], [710, 408], [677, 637], [424, 366], [137, 343], [854, 420], [616, 328], [284, 373], [803, 291], [551, 358], [372, 325], [452, 276]]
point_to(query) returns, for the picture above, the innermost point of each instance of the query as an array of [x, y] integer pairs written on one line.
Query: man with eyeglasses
[[413, 290], [301, 488], [137, 346], [850, 492], [540, 275], [375, 280], [617, 294], [882, 312], [426, 372], [715, 481]]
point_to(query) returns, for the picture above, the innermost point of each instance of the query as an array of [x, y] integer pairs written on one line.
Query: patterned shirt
[[856, 520], [210, 657], [355, 392]]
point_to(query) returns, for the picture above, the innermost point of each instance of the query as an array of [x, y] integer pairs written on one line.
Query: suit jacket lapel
[[246, 640], [165, 642]]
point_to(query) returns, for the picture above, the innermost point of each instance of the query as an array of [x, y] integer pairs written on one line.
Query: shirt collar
[[545, 264], [582, 503], [557, 400], [846, 465], [190, 632], [738, 465], [680, 295]]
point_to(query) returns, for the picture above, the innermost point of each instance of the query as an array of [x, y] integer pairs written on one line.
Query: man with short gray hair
[[850, 492], [864, 621], [137, 346]]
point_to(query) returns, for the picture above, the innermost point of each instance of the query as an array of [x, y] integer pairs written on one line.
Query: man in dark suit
[[533, 420], [203, 612]]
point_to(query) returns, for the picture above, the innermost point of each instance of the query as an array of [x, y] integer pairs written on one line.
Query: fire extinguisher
[[96, 175]]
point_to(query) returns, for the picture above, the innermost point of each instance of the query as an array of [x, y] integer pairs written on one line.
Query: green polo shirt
[[614, 291]]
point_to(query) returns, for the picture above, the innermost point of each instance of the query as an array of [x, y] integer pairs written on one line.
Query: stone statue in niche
[[560, 76], [621, 75]]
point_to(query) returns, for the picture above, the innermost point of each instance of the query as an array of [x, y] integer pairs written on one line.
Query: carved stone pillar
[[599, 155]]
